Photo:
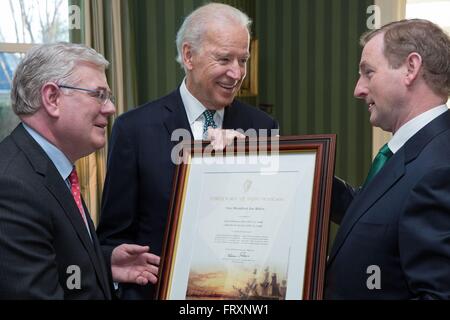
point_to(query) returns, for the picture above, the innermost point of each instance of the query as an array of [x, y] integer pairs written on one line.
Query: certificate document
[[244, 231]]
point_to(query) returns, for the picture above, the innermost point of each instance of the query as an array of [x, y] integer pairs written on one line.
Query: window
[[437, 11], [8, 120], [22, 24]]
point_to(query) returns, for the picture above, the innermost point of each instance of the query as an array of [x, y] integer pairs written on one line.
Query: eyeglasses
[[101, 94]]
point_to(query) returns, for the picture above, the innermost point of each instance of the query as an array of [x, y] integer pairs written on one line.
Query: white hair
[[196, 24]]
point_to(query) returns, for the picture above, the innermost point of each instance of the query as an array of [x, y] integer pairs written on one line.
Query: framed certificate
[[250, 222]]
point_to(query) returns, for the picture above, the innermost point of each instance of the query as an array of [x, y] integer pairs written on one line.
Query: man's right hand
[[220, 138]]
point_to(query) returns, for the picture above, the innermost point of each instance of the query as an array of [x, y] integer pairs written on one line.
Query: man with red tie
[[48, 244]]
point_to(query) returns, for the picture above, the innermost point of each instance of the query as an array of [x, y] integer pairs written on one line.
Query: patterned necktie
[[209, 120], [75, 189], [380, 160]]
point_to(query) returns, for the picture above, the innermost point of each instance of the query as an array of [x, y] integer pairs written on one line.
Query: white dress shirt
[[413, 126], [194, 110]]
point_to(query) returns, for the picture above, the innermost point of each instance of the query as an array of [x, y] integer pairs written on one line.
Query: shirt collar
[[61, 162], [194, 108], [413, 126]]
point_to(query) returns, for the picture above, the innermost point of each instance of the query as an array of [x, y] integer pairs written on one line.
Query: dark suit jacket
[[41, 230], [139, 174], [400, 222]]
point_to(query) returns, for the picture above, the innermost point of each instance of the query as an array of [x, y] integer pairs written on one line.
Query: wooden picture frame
[[249, 86], [236, 231]]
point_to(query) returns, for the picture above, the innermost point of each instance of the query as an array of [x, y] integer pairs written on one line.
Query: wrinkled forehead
[[90, 74], [226, 34], [82, 65]]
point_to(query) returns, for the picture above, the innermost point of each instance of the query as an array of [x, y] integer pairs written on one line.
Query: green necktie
[[209, 120], [380, 160]]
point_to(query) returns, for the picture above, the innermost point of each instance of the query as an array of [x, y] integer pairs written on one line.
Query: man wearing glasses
[[48, 244]]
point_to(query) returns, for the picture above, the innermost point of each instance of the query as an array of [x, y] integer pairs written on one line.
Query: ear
[[187, 56], [51, 95], [413, 65]]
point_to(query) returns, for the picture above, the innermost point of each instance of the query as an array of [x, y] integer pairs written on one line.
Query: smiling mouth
[[371, 105], [229, 86]]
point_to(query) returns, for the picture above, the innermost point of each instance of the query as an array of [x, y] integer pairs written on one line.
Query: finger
[[240, 135], [147, 270], [235, 134], [230, 141], [230, 133], [211, 134], [219, 146], [141, 280], [153, 270], [152, 259], [136, 249], [149, 277], [214, 144]]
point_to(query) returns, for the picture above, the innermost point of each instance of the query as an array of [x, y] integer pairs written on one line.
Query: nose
[[236, 71], [109, 108], [360, 89]]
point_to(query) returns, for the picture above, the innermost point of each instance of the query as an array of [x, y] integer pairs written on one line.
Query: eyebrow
[[227, 53], [102, 88], [364, 65]]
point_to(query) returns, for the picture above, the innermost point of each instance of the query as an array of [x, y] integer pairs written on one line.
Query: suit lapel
[[176, 114], [381, 183], [56, 185], [232, 120], [229, 118], [58, 188], [103, 273], [392, 172], [177, 117]]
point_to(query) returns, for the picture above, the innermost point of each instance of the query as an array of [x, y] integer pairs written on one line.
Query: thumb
[[239, 135]]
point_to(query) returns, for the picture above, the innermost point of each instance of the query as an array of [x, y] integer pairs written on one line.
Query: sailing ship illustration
[[268, 289]]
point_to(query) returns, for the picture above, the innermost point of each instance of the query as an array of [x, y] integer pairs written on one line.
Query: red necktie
[[75, 189]]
